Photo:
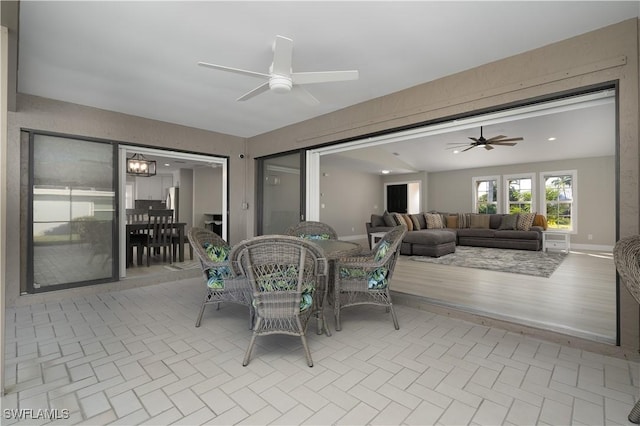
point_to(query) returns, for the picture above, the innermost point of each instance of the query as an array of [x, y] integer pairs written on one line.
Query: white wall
[[349, 198]]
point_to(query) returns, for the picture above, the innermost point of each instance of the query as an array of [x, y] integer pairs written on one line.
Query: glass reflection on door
[[72, 212], [280, 187]]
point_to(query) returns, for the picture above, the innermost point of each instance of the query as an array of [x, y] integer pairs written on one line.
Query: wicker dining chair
[[365, 279], [222, 284], [626, 255], [311, 230], [288, 278]]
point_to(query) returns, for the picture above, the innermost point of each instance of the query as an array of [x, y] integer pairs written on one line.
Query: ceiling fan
[[282, 79], [488, 144]]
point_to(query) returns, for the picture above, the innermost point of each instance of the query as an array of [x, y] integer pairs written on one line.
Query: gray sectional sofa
[[429, 239]]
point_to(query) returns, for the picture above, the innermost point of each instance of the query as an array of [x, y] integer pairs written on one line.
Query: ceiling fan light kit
[[281, 78]]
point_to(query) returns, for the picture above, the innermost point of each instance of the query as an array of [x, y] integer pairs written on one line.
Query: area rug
[[525, 262]]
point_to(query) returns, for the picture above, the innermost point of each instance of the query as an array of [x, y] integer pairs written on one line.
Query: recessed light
[[551, 139], [167, 164], [456, 152], [385, 172]]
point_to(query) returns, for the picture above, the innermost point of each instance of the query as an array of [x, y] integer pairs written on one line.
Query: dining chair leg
[[307, 352], [200, 314], [247, 354]]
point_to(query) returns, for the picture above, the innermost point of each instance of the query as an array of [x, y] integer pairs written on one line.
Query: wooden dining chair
[[286, 274], [138, 238], [159, 234]]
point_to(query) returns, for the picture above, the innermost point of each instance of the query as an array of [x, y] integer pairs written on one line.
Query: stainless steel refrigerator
[[173, 201]]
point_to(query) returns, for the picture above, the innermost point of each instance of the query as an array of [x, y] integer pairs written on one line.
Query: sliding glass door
[[72, 213], [280, 183]]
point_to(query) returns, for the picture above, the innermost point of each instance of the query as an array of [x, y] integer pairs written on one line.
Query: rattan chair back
[[366, 279], [626, 256], [288, 278], [234, 288], [312, 230]]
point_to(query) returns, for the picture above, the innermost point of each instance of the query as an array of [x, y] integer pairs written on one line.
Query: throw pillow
[[408, 222], [541, 221], [509, 222], [525, 221], [416, 222], [388, 219], [377, 220], [217, 275], [399, 219], [434, 221], [452, 222], [479, 221], [464, 220]]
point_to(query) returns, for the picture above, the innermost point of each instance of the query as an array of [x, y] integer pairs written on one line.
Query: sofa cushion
[[377, 220], [452, 221], [517, 235], [389, 220], [477, 232], [479, 221], [408, 222], [508, 222], [430, 237], [399, 219], [417, 225], [434, 221], [495, 220], [525, 221]]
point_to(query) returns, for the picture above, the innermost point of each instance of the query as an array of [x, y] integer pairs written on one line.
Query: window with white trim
[[520, 193], [559, 199], [486, 194]]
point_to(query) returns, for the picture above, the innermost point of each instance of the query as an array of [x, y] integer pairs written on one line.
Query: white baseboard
[[592, 247]]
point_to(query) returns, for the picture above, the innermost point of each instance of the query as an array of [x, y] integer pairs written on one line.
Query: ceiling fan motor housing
[[280, 84]]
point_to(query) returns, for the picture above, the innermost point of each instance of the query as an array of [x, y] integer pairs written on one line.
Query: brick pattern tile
[[135, 357]]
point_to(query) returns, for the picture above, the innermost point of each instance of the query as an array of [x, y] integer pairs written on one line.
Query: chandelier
[[137, 165]]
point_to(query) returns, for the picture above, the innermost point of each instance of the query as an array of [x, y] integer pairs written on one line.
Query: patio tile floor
[[135, 357]]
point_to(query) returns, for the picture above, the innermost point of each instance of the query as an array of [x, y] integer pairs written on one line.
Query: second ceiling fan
[[488, 144]]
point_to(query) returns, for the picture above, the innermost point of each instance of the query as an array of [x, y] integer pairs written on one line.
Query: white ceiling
[[140, 57]]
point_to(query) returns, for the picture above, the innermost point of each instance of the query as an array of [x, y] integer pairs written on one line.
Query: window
[[520, 193], [559, 200], [485, 194]]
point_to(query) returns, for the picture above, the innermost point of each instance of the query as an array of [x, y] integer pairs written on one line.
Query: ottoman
[[429, 242]]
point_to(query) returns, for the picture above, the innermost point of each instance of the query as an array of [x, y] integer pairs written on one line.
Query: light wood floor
[[578, 299]]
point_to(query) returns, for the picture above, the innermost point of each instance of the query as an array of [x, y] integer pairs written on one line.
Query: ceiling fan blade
[[304, 95], [495, 138], [323, 76], [504, 143], [474, 139], [472, 146], [234, 70], [264, 87], [282, 54], [488, 147], [509, 140]]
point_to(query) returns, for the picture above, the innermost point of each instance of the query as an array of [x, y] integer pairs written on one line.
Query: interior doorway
[[194, 185]]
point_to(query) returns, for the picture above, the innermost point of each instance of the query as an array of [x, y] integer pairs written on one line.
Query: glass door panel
[[72, 213], [280, 193]]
